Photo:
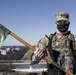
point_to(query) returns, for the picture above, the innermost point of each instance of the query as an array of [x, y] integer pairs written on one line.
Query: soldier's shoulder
[[73, 36], [45, 39]]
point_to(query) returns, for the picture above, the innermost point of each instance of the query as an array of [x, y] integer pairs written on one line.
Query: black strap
[[50, 44]]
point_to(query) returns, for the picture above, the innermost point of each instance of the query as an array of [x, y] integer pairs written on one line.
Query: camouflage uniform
[[60, 47], [63, 48]]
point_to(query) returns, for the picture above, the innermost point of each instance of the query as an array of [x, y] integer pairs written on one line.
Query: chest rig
[[61, 45], [58, 46]]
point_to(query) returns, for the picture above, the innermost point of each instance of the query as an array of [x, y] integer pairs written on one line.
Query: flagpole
[[46, 57], [22, 41]]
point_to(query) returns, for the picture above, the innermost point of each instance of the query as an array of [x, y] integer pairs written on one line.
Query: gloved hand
[[38, 53]]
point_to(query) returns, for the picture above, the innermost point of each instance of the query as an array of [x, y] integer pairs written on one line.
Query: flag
[[4, 32]]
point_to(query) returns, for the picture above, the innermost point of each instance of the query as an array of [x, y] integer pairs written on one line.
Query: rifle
[[54, 55], [50, 47], [46, 57]]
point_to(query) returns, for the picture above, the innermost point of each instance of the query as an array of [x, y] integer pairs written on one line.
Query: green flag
[[3, 34]]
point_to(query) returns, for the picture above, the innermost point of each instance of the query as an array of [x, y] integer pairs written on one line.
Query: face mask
[[63, 28]]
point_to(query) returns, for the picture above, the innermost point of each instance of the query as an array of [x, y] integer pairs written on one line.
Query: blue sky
[[32, 19]]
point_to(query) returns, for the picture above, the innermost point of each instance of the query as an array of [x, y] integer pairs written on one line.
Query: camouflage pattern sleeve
[[75, 41], [74, 46], [41, 45]]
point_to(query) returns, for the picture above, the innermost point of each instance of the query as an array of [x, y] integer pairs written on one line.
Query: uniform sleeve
[[41, 45], [74, 43]]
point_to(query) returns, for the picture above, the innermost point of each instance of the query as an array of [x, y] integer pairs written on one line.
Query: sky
[[32, 19]]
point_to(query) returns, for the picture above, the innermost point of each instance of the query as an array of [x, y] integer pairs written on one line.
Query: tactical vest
[[61, 45]]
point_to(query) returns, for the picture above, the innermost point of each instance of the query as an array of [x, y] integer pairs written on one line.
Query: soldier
[[62, 46]]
